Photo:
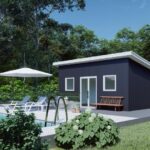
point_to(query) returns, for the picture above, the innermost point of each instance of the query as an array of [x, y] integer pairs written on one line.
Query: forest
[[30, 37]]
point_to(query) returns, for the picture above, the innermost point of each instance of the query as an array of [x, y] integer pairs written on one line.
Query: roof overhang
[[132, 55]]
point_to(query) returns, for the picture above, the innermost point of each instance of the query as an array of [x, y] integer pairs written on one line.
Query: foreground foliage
[[16, 89], [135, 137], [19, 132], [88, 129]]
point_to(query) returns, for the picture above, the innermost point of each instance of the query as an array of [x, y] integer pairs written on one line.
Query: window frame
[[66, 83], [104, 83]]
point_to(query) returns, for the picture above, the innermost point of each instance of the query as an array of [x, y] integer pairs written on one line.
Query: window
[[109, 83], [69, 84]]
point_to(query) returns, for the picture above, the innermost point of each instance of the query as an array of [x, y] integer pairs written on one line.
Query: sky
[[107, 17]]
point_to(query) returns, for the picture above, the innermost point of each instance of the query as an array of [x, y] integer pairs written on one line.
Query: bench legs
[[115, 108], [97, 106], [118, 108]]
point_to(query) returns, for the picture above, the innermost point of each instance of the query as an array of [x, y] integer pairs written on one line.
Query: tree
[[125, 40], [144, 40], [84, 41], [26, 19], [125, 35]]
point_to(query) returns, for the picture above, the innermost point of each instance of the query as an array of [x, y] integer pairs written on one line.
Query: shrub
[[87, 129], [14, 90], [49, 88], [19, 132], [73, 96]]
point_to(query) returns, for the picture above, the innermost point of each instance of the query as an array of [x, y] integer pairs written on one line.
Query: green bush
[[73, 96], [87, 129], [19, 132], [14, 90], [49, 88]]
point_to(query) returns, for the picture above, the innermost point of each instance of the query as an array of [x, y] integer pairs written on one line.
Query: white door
[[88, 91]]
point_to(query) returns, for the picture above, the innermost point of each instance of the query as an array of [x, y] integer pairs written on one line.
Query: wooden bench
[[112, 101]]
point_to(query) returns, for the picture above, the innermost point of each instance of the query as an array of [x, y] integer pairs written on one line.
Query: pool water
[[41, 122], [2, 116]]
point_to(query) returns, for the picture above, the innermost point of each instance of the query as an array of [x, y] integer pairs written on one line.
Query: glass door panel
[[92, 91], [88, 93], [84, 92]]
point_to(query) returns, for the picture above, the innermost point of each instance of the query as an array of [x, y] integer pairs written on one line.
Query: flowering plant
[[87, 129], [66, 98]]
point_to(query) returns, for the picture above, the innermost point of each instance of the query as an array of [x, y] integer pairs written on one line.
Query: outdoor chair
[[40, 104], [16, 104]]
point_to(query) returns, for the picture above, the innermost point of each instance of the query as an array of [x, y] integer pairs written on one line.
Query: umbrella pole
[[12, 89], [24, 80]]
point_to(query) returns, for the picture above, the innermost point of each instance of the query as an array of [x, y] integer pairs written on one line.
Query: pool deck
[[124, 118], [121, 118]]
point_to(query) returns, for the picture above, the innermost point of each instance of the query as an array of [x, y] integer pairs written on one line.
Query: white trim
[[129, 54], [66, 88], [87, 77], [104, 83]]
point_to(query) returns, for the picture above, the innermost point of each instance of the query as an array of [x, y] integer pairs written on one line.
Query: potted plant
[[76, 108], [73, 108]]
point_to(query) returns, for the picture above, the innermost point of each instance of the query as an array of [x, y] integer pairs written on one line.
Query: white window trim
[[66, 88], [104, 86]]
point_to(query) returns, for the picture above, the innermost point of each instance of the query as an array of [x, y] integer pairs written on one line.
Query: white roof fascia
[[137, 58], [128, 54]]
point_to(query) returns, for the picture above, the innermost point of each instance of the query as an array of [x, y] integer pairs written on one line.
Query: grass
[[135, 137]]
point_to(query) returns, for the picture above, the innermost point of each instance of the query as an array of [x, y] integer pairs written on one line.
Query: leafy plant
[[49, 88], [87, 129], [19, 132], [14, 90], [71, 96]]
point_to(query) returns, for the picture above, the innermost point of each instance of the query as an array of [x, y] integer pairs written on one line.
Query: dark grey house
[[122, 74]]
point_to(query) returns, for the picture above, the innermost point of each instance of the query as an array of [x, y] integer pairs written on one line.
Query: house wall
[[139, 86], [119, 67]]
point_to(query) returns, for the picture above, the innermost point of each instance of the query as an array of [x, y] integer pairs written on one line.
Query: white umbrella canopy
[[25, 73]]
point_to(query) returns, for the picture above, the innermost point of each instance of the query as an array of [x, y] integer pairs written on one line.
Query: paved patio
[[125, 118], [122, 118], [135, 113]]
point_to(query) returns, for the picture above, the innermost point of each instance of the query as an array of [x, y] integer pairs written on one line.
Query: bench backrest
[[111, 99]]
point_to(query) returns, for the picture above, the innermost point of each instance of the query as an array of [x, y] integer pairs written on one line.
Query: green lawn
[[135, 137]]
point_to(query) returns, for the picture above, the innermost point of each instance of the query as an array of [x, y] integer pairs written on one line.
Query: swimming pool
[[41, 122], [2, 116]]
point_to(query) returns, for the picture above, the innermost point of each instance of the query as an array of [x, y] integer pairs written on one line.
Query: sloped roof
[[129, 54]]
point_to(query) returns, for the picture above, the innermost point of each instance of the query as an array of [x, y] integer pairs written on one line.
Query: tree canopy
[[27, 32]]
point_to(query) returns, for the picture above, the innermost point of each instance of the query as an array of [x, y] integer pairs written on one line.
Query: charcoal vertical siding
[[139, 86], [118, 67]]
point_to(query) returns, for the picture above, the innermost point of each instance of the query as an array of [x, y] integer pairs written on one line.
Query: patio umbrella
[[25, 73]]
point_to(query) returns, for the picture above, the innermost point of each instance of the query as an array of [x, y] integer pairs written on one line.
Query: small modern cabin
[[121, 74]]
